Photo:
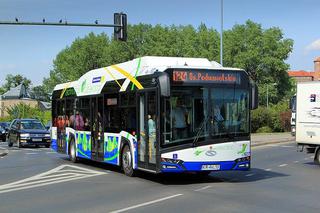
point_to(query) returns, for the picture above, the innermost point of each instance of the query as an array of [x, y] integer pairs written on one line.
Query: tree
[[40, 93], [15, 80], [262, 53], [72, 62], [23, 110]]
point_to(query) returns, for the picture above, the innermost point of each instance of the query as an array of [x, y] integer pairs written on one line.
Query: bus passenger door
[[61, 123], [97, 136], [147, 114]]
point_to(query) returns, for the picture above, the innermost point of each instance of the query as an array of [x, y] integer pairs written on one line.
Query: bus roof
[[93, 81]]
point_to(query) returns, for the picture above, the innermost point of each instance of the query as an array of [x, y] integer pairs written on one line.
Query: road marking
[[286, 146], [203, 188], [249, 175], [268, 170], [57, 175], [306, 158], [282, 165], [296, 161], [146, 203], [31, 153]]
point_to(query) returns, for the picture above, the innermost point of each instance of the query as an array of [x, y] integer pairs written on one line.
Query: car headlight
[[46, 135], [25, 135]]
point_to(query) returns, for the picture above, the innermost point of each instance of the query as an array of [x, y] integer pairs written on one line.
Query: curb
[[271, 142]]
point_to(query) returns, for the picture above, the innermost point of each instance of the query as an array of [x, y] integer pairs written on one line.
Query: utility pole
[[120, 25], [221, 35]]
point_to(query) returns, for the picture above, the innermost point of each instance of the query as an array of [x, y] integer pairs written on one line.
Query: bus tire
[[72, 152], [317, 156], [126, 161]]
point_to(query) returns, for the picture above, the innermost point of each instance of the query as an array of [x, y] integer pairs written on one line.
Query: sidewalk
[[259, 139]]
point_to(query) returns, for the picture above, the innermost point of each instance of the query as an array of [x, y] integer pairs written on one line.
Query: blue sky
[[30, 50]]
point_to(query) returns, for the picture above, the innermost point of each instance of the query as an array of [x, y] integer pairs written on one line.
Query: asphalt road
[[39, 180]]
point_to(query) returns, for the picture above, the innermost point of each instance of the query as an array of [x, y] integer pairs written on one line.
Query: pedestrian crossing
[[60, 174]]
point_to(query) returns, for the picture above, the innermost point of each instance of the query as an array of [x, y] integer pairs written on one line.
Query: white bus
[[157, 114]]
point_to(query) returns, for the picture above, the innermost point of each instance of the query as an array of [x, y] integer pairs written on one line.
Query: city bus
[[157, 114]]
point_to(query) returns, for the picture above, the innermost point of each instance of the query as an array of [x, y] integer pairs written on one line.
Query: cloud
[[313, 46]]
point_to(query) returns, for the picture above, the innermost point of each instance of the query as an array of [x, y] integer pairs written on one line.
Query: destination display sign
[[206, 76]]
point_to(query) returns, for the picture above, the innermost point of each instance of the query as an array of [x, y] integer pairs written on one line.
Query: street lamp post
[[221, 35]]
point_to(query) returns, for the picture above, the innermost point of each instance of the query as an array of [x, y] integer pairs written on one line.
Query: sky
[[30, 50]]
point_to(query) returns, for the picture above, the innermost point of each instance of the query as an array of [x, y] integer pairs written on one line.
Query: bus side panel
[[54, 134], [111, 148], [224, 156], [83, 141], [133, 147]]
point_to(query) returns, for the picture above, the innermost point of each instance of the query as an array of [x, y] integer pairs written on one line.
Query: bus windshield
[[206, 112]]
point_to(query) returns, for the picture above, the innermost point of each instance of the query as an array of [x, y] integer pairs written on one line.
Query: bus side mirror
[[254, 96], [164, 83]]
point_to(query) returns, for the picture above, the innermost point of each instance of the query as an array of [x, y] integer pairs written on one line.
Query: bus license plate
[[210, 167]]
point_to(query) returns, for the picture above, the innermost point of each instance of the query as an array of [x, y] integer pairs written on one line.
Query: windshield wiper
[[200, 130]]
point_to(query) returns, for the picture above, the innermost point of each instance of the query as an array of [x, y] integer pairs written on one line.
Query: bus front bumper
[[180, 166]]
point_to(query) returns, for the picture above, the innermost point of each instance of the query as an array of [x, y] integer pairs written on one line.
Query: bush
[[264, 129], [272, 117], [22, 110]]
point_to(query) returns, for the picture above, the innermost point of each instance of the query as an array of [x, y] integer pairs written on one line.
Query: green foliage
[[264, 129], [40, 93], [22, 110], [261, 52], [94, 51], [263, 118], [15, 80]]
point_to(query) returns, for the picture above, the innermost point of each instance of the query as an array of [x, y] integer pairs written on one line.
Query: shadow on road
[[253, 175]]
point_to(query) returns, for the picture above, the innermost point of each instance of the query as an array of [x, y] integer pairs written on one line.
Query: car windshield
[[31, 125]]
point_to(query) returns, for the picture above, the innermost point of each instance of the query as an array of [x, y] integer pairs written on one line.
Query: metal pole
[[221, 35], [267, 97], [58, 24]]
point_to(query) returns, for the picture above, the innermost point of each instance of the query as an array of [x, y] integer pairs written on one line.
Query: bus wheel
[[126, 160], [317, 156], [72, 152]]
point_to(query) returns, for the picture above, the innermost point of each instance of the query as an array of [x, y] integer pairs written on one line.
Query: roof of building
[[17, 92], [300, 73]]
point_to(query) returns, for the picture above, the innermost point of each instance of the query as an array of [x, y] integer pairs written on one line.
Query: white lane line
[[50, 177], [31, 153], [296, 161], [285, 146], [44, 184], [268, 170], [146, 203], [203, 188], [282, 165], [249, 175]]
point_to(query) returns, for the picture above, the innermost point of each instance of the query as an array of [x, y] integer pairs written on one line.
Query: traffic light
[[120, 33]]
